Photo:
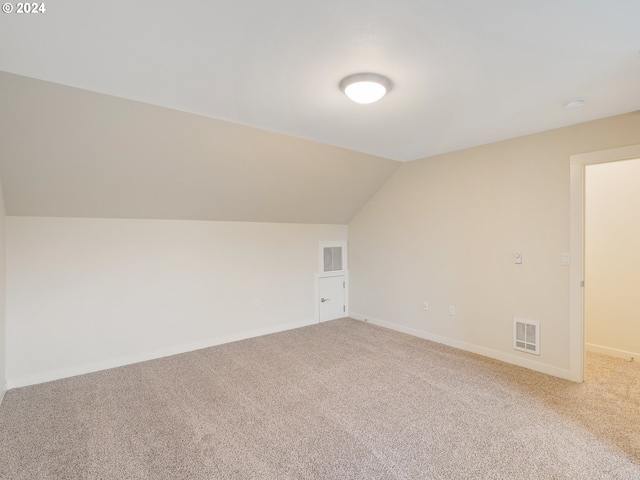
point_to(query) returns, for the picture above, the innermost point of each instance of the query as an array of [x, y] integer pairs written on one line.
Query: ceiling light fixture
[[574, 104], [365, 87]]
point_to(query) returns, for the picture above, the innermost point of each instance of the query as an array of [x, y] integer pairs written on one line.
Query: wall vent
[[526, 335], [332, 259]]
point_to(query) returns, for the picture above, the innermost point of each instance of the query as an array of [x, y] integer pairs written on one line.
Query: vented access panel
[[526, 335], [332, 259]]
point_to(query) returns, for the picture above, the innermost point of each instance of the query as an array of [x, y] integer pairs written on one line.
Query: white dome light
[[365, 87]]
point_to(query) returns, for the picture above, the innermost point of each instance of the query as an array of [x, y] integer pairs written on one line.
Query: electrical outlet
[[452, 310], [425, 305], [517, 258], [256, 303]]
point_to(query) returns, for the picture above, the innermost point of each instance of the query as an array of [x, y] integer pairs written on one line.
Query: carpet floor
[[338, 400]]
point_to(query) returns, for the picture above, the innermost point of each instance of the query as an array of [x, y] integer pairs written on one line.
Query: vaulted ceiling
[[72, 153], [254, 126]]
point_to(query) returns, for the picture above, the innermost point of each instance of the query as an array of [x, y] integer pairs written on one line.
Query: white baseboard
[[2, 392], [612, 352], [152, 355], [486, 352]]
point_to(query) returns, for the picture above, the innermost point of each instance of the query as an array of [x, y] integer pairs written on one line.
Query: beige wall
[[612, 258], [3, 336], [445, 228], [88, 294]]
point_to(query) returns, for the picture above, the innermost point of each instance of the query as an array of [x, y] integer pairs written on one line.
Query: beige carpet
[[341, 400]]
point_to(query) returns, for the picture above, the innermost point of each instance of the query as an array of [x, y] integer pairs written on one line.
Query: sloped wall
[[68, 152]]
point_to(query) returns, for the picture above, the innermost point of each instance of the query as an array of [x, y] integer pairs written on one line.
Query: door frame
[[341, 273], [578, 163]]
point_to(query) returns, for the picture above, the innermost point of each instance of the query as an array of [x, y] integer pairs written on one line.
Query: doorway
[[331, 297], [611, 262], [577, 326]]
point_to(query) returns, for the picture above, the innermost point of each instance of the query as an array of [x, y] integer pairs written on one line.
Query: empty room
[[319, 240]]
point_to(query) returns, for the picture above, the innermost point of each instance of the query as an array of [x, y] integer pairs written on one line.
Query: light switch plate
[[566, 259], [517, 257]]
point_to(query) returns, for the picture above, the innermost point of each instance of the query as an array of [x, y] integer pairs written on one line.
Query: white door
[[331, 298]]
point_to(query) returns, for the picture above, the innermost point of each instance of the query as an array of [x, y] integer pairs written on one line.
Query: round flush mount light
[[365, 87], [574, 104]]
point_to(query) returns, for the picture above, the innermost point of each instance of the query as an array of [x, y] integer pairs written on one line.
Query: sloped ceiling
[[73, 153], [465, 73]]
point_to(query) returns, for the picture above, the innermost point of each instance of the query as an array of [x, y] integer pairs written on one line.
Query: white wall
[[612, 258], [3, 341], [445, 228], [86, 294]]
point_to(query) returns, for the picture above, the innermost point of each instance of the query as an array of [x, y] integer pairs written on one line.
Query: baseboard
[[612, 352], [2, 392], [468, 347], [152, 355]]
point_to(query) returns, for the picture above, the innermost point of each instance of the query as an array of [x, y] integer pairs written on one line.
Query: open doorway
[[611, 265], [579, 275]]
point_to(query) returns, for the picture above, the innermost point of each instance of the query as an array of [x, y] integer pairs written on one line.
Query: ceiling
[[465, 72], [67, 152]]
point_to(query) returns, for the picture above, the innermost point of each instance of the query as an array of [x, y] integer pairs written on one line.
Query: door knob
[[324, 300]]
